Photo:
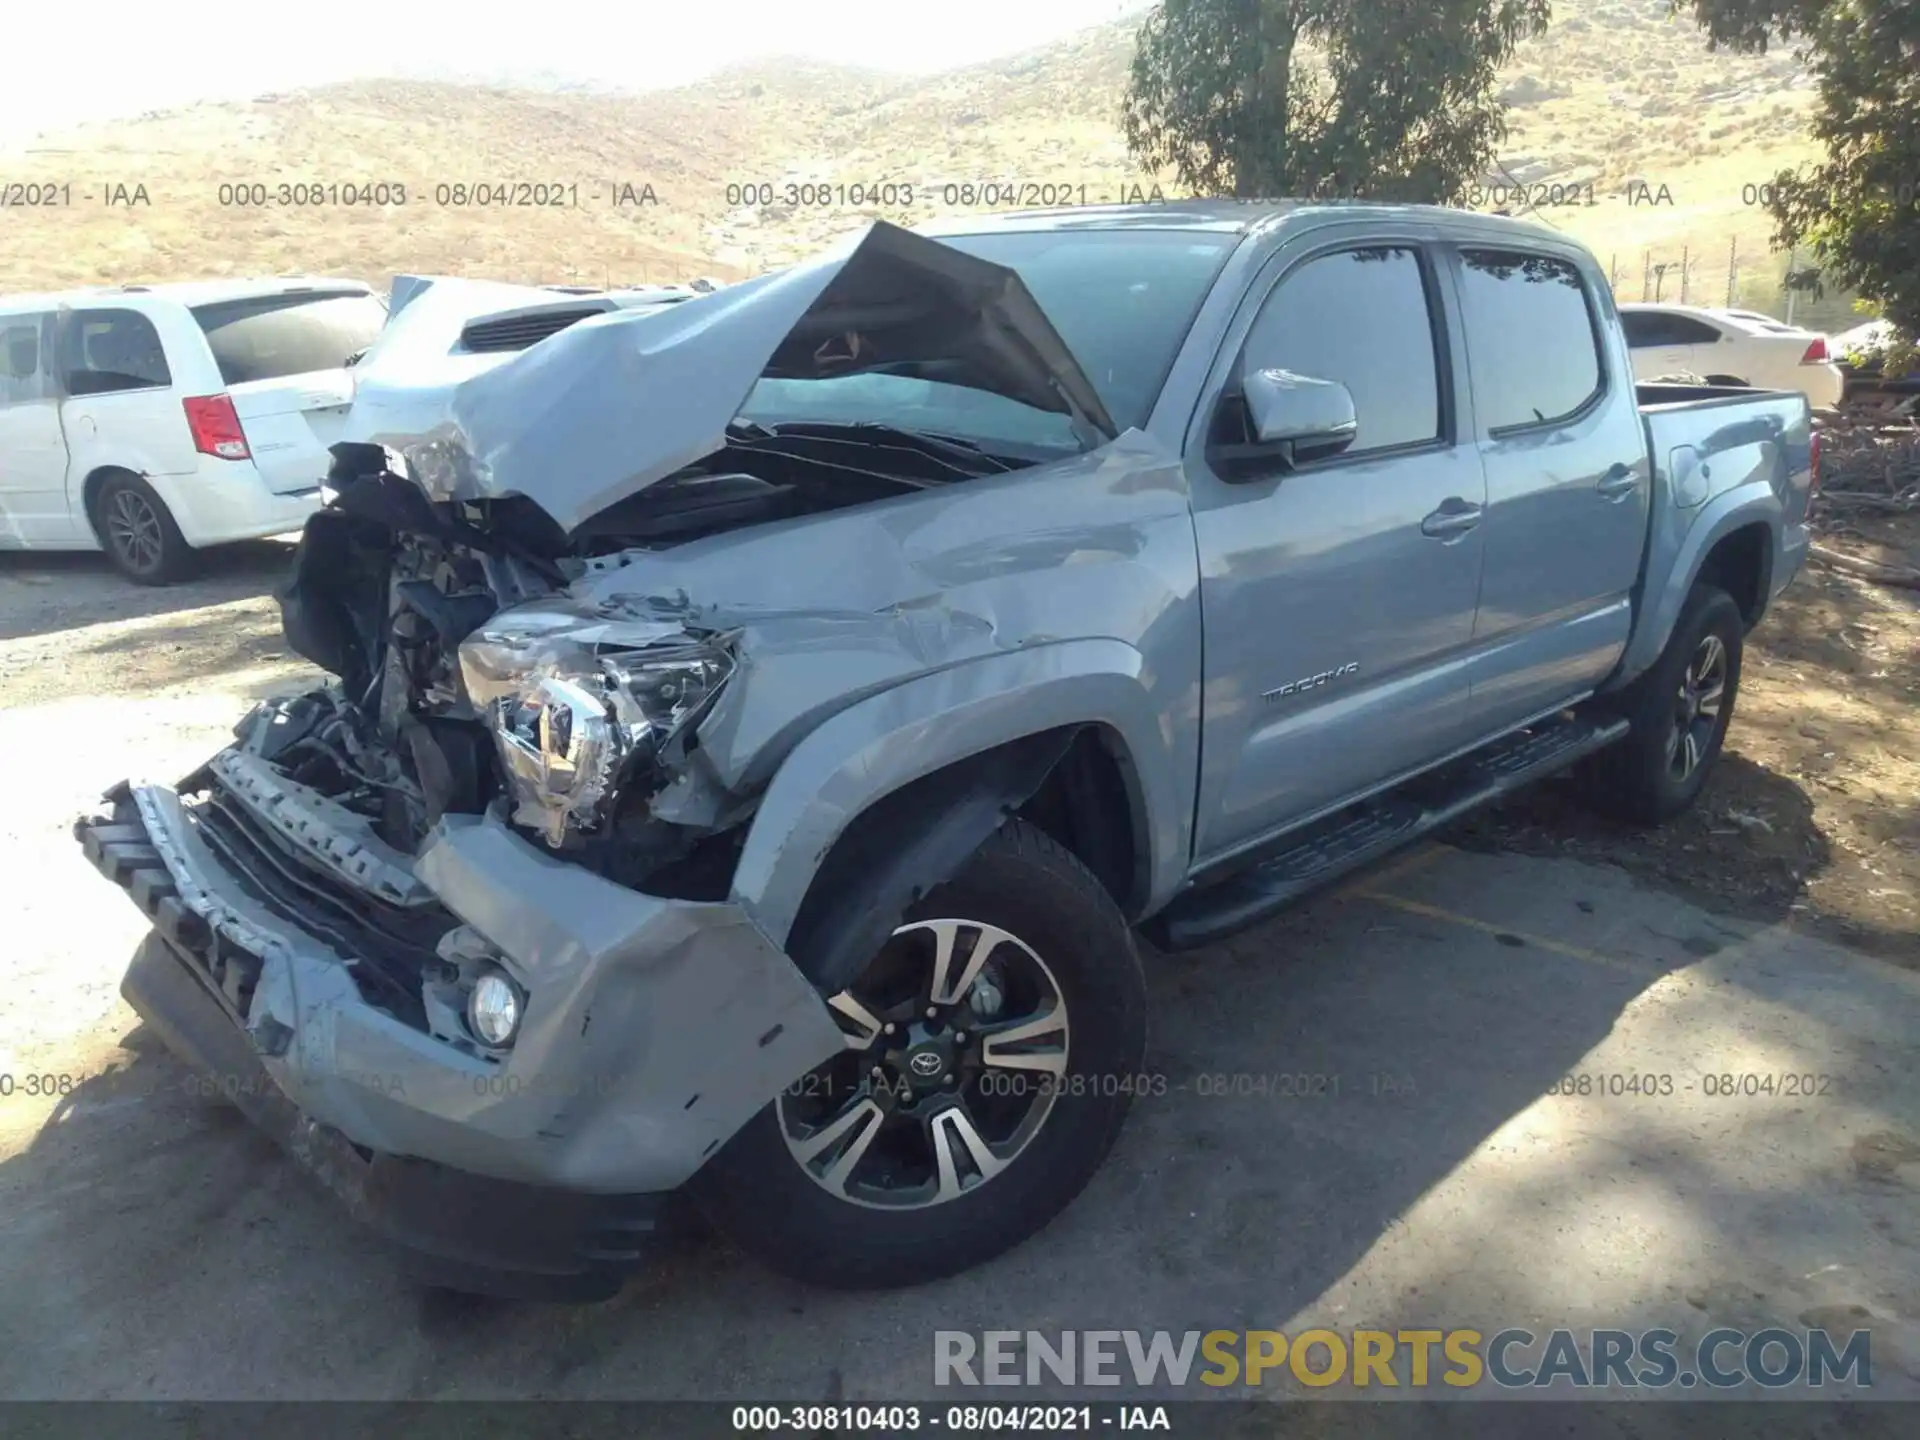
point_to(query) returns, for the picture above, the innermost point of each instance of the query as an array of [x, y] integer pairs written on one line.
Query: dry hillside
[[1616, 93]]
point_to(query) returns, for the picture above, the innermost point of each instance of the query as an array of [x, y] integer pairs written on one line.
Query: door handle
[[1618, 483], [1453, 519]]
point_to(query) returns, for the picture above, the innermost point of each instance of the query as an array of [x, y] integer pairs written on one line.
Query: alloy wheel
[[133, 529], [956, 1045], [1703, 687]]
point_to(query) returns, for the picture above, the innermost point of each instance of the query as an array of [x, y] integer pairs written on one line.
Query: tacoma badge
[[1313, 682]]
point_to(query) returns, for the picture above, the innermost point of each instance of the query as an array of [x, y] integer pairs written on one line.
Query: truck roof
[[1226, 215]]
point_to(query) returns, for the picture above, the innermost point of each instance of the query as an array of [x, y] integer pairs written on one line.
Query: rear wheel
[[137, 532], [992, 1049], [1679, 711]]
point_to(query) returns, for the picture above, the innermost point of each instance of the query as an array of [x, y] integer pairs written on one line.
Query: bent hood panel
[[613, 404]]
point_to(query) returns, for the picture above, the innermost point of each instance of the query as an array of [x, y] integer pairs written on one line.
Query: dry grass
[[1615, 92]]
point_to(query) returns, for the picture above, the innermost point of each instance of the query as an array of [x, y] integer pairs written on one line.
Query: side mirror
[[1300, 412]]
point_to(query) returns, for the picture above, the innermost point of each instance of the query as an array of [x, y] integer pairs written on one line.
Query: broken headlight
[[579, 705]]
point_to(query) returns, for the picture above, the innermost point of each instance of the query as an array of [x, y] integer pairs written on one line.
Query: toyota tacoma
[[762, 724]]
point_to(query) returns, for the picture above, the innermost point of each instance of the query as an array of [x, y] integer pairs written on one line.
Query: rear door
[[1337, 596], [33, 450], [120, 407], [1568, 480], [283, 358]]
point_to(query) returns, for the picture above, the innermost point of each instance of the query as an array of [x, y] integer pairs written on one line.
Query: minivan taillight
[[1816, 352], [216, 427]]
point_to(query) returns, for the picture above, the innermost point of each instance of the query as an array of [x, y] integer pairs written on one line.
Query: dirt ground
[[1812, 816], [153, 1247]]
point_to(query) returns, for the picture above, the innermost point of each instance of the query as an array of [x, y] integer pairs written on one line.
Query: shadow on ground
[[1747, 848], [43, 594], [1309, 1085]]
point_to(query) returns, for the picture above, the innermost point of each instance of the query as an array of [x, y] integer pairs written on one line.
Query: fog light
[[493, 1009]]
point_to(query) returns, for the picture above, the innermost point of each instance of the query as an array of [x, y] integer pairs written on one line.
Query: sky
[[122, 57]]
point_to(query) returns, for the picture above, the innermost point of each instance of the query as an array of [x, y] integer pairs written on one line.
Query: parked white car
[[1738, 347], [151, 422]]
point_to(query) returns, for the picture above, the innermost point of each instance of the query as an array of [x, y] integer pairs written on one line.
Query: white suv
[[150, 422]]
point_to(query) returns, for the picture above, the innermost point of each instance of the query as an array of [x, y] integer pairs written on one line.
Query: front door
[[1338, 597]]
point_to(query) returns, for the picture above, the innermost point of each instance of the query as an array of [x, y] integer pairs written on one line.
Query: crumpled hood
[[614, 403]]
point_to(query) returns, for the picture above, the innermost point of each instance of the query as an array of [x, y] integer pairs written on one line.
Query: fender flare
[[873, 748], [1752, 503]]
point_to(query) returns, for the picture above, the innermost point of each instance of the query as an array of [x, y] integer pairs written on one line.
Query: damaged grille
[[517, 332], [122, 851], [386, 946]]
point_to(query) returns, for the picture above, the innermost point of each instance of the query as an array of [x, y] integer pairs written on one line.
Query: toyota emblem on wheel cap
[[926, 1064]]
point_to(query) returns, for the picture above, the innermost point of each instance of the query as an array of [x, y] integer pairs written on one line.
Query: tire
[[1642, 779], [760, 1193], [138, 534]]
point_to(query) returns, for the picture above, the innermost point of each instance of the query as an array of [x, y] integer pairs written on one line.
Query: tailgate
[[284, 356], [290, 422]]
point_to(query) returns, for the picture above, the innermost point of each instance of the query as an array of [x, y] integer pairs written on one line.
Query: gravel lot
[[152, 1247]]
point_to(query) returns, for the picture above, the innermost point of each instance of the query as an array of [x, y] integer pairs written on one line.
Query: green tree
[[1858, 211], [1389, 99]]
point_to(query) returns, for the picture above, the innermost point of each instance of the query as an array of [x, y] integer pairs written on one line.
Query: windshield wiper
[[953, 447]]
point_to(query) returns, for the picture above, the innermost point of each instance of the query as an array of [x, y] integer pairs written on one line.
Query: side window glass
[[1689, 331], [1644, 330], [111, 350], [21, 379], [1360, 317], [1531, 336]]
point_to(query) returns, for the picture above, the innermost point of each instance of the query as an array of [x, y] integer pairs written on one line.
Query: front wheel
[[992, 1049], [1679, 711]]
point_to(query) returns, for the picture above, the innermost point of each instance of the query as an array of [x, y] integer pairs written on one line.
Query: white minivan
[[150, 422]]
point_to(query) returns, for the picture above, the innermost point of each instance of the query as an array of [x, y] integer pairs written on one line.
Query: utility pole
[[1792, 256], [1685, 268], [1733, 267]]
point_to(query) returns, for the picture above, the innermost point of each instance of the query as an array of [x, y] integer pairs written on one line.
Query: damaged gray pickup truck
[[764, 720]]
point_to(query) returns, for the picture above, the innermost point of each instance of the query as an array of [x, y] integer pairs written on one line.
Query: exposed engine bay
[[465, 584], [467, 673]]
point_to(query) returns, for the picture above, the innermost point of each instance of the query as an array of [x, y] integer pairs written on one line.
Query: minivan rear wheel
[[137, 532]]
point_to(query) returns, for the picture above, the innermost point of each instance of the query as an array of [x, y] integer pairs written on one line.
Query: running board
[[1371, 829]]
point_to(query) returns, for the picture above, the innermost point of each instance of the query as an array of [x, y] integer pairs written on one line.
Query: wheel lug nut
[[952, 1080], [889, 1029], [959, 1037], [933, 1012]]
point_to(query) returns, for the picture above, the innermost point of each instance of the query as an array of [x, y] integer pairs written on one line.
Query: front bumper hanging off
[[654, 1029]]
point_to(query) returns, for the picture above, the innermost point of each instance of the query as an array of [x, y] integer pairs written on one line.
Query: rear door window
[[265, 337], [22, 373], [1645, 329], [1689, 331], [1531, 336], [1652, 329], [1364, 318], [106, 351]]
